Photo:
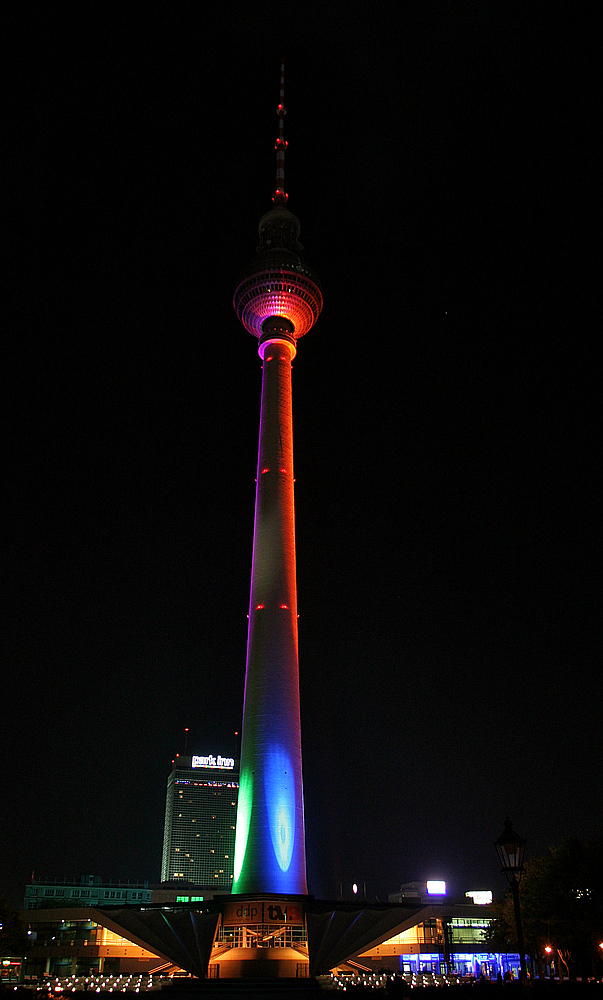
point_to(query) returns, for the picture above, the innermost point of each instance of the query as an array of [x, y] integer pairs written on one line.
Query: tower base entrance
[[260, 963]]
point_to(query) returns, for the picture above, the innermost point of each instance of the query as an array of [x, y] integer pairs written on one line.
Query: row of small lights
[[100, 984], [264, 471], [381, 981]]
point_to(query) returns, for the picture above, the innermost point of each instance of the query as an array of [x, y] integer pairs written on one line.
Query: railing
[[263, 936]]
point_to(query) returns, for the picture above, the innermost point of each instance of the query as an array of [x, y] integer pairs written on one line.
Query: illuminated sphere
[[278, 282]]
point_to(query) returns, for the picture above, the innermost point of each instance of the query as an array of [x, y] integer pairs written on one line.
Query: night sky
[[446, 449]]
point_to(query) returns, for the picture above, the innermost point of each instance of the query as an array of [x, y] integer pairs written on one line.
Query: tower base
[[261, 937], [260, 963]]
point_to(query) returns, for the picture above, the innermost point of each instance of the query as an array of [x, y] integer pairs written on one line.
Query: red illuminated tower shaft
[[273, 583], [278, 300], [271, 750]]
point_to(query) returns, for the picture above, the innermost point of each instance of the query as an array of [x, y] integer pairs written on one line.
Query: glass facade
[[468, 931], [421, 951], [73, 933], [63, 947], [200, 821]]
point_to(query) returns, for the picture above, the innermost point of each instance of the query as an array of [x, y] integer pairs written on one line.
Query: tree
[[13, 938], [561, 895]]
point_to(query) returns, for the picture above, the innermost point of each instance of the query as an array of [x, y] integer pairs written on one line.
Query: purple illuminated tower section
[[278, 301]]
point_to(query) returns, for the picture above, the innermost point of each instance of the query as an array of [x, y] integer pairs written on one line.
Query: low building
[[83, 890], [179, 891], [91, 890], [419, 892], [208, 938], [441, 939]]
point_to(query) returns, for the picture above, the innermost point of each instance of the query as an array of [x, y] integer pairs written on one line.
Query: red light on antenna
[[259, 607], [265, 470]]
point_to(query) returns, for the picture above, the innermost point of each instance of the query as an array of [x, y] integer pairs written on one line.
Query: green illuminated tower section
[[278, 301]]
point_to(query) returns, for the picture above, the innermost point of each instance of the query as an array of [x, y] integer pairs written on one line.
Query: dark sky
[[444, 416]]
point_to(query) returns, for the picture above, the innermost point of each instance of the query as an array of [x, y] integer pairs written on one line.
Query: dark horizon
[[440, 164]]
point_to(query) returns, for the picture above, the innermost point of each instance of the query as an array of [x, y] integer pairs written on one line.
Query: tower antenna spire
[[280, 197]]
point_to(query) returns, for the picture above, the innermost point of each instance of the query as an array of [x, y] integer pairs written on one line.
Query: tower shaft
[[270, 849]]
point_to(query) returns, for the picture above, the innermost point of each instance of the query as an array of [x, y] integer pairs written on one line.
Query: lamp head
[[510, 848]]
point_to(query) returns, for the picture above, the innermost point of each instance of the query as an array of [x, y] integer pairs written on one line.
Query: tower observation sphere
[[278, 299], [278, 282]]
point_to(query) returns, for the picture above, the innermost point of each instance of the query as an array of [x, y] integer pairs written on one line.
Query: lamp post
[[510, 848], [549, 955]]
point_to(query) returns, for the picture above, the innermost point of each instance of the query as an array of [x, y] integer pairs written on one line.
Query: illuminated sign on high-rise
[[221, 763]]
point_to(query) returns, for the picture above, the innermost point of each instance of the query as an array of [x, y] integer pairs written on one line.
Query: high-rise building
[[278, 300], [200, 819]]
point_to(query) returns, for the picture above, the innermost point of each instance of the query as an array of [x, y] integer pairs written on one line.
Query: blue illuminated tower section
[[278, 301]]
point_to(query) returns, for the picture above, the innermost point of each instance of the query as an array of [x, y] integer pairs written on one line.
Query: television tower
[[278, 301]]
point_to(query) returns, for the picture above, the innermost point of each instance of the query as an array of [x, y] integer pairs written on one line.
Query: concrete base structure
[[260, 963]]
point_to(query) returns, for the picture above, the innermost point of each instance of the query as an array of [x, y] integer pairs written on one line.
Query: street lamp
[[549, 953], [510, 848]]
